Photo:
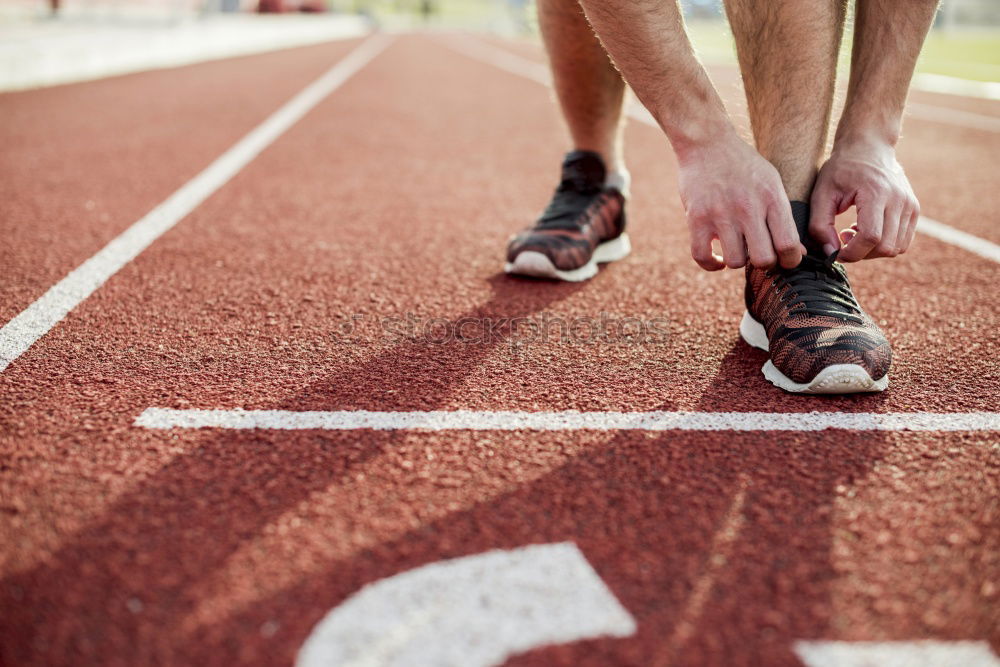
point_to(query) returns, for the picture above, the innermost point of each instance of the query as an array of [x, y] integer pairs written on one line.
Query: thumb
[[822, 219]]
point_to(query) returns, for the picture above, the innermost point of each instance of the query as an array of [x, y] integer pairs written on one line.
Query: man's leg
[[584, 224], [788, 57], [591, 92], [818, 337]]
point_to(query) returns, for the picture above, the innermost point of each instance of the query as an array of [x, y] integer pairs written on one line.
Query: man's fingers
[[784, 235], [848, 234], [906, 225], [701, 250], [869, 233], [823, 207], [907, 231], [759, 244], [734, 251], [886, 247]]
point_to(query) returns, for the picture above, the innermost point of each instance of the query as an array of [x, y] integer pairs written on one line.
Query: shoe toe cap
[[802, 360]]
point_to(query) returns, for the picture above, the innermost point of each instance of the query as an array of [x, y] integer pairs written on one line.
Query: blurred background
[[43, 42]]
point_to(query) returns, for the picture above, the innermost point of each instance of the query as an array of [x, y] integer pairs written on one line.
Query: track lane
[[220, 536], [18, 335], [81, 162]]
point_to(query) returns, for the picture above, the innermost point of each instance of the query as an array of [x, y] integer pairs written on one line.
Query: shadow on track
[[159, 541], [419, 372], [718, 546]]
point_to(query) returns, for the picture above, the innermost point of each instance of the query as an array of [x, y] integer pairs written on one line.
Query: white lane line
[[500, 58], [474, 612], [957, 237], [18, 335], [953, 85], [926, 653], [507, 61], [570, 420], [936, 114], [538, 73]]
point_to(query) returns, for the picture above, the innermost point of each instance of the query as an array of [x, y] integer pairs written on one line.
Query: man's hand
[[729, 191], [866, 175], [733, 194]]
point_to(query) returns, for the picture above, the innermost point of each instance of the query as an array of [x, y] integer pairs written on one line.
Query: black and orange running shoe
[[583, 226], [807, 318]]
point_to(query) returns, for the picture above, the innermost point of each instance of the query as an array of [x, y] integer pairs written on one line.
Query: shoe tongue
[[800, 213], [585, 169]]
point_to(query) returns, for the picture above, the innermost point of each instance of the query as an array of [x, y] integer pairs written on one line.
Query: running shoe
[[819, 339], [582, 227]]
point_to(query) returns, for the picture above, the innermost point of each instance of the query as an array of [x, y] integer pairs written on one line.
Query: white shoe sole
[[537, 265], [835, 379]]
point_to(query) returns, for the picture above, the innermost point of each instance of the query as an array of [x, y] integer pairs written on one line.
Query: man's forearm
[[647, 41], [888, 35], [862, 170], [729, 191]]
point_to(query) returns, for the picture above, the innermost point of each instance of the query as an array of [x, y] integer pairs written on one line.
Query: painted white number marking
[[896, 654], [470, 612]]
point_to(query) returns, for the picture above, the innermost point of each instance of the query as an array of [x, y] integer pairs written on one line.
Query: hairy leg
[[788, 57], [591, 92]]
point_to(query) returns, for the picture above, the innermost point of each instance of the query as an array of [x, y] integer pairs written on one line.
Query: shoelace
[[819, 287], [574, 193]]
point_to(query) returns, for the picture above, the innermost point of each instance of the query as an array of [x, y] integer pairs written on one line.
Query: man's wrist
[[867, 131], [693, 138]]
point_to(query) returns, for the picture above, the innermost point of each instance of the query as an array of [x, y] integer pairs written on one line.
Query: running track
[[130, 544]]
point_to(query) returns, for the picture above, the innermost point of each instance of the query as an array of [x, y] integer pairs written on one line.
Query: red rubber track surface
[[396, 195], [82, 162]]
